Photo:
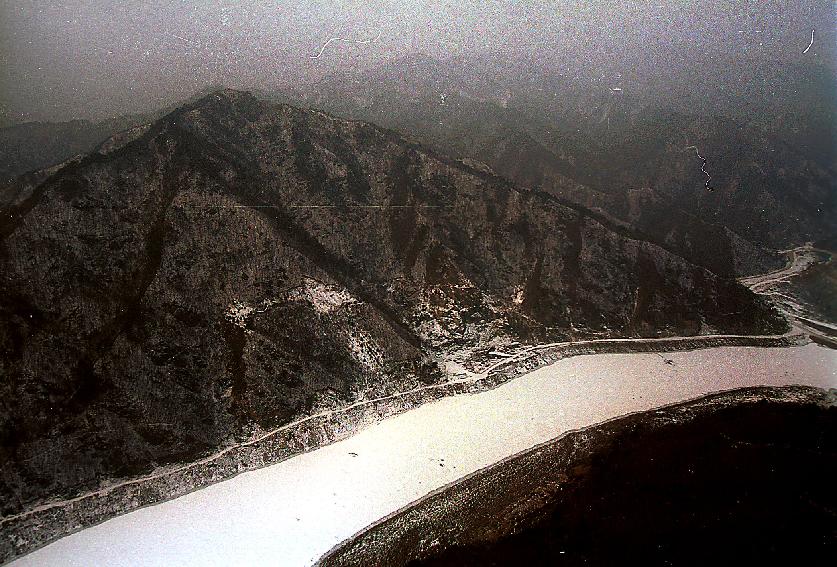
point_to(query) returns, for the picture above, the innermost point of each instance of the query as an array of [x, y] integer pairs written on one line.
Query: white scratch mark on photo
[[357, 41], [183, 39], [702, 167], [810, 44]]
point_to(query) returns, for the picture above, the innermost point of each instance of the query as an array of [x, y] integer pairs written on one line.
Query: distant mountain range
[[238, 263], [626, 147], [32, 146]]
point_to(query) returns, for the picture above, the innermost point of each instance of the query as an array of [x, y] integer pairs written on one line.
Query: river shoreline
[[510, 511], [59, 520]]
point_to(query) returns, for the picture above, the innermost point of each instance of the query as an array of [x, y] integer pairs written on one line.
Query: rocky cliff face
[[238, 264]]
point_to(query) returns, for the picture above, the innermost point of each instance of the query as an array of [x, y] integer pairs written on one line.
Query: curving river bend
[[294, 511]]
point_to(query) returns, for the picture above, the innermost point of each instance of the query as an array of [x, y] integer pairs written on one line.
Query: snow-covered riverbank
[[293, 512]]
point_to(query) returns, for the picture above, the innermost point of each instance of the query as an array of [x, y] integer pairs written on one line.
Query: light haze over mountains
[[97, 59]]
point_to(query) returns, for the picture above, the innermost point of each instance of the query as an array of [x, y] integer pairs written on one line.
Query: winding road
[[799, 260]]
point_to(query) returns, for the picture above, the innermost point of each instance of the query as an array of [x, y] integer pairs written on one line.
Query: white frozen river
[[293, 512]]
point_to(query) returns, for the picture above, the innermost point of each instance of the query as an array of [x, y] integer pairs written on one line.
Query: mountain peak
[[223, 100]]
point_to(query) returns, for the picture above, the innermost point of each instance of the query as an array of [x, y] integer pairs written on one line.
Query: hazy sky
[[96, 58]]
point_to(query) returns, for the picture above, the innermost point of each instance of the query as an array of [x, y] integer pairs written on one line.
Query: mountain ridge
[[254, 262]]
